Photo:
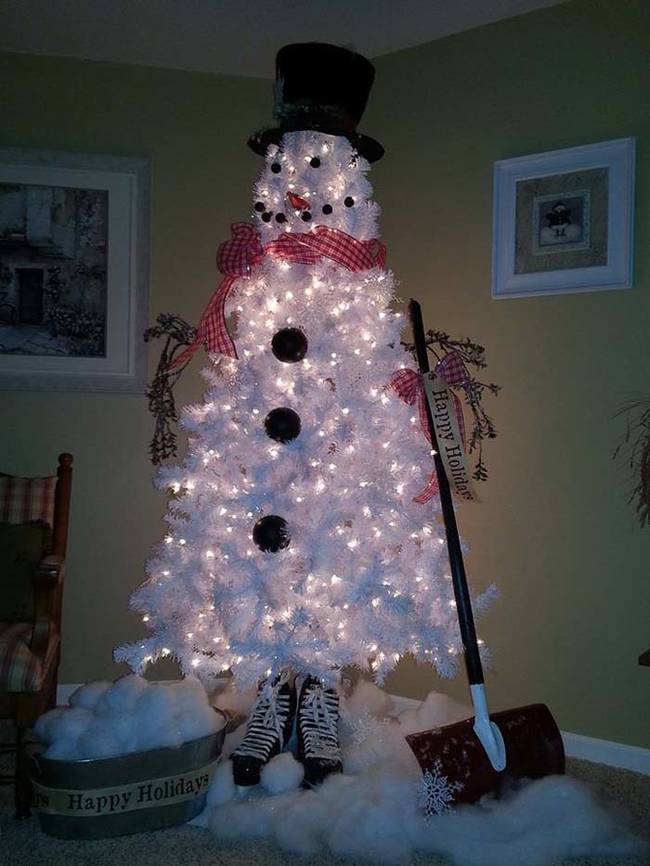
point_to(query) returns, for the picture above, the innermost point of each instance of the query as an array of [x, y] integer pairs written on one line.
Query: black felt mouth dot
[[260, 206], [327, 209], [281, 218], [267, 217], [306, 216]]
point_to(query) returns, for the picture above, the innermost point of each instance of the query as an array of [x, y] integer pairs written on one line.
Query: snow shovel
[[484, 754]]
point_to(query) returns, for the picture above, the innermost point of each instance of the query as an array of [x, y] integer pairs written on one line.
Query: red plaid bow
[[236, 258], [410, 388]]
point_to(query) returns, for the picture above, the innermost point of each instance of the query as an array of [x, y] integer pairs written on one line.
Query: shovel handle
[[459, 579]]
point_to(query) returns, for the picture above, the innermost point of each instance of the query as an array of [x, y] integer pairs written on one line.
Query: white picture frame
[[102, 242], [528, 257]]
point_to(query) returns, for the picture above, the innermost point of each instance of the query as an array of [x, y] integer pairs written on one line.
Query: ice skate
[[269, 727], [317, 723]]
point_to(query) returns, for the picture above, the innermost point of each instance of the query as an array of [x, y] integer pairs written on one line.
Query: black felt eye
[[267, 217], [305, 215], [348, 201], [280, 218], [314, 162], [259, 206], [276, 168], [327, 208]]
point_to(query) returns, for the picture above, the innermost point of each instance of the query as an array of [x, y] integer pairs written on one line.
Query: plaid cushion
[[20, 670], [24, 500]]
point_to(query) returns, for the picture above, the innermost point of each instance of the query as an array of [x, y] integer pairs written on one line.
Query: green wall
[[194, 128], [553, 529]]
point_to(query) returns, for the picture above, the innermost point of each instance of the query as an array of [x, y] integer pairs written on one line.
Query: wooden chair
[[34, 514]]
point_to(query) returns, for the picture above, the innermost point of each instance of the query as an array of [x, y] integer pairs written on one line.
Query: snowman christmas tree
[[303, 532]]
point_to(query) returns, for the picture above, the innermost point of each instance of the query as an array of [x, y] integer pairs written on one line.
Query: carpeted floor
[[23, 844]]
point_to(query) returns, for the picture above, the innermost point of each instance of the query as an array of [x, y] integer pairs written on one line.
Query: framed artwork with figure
[[563, 221], [74, 250]]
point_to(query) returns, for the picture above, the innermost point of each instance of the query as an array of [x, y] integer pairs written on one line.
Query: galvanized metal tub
[[136, 793]]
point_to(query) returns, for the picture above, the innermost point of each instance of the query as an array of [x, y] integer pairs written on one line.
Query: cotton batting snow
[[282, 773], [374, 811], [222, 788], [130, 715]]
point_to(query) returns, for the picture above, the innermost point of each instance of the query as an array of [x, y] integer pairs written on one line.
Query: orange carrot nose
[[296, 202]]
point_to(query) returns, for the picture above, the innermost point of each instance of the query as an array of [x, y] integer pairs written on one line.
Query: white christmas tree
[[295, 539]]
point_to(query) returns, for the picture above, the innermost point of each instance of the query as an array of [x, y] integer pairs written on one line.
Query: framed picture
[[563, 221], [74, 271]]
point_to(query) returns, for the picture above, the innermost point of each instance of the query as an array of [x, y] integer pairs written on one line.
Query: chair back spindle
[[62, 505]]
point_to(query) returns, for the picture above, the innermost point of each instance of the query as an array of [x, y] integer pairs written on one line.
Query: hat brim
[[367, 147]]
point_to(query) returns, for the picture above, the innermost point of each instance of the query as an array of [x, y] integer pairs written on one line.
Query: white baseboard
[[575, 745], [607, 752], [63, 692]]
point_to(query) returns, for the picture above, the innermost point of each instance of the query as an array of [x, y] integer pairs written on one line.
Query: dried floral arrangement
[[177, 334], [472, 390], [634, 451]]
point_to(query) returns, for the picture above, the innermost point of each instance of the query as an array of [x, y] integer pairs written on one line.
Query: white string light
[[359, 546]]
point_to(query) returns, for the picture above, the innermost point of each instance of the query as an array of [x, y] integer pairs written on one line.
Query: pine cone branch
[[178, 334]]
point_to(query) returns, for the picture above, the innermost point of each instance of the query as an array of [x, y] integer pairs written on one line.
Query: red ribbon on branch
[[237, 257], [410, 388]]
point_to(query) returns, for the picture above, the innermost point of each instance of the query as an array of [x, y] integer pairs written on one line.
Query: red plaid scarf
[[408, 385], [237, 257]]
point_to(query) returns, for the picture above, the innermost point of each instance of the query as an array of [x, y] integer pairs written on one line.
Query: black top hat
[[321, 87]]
